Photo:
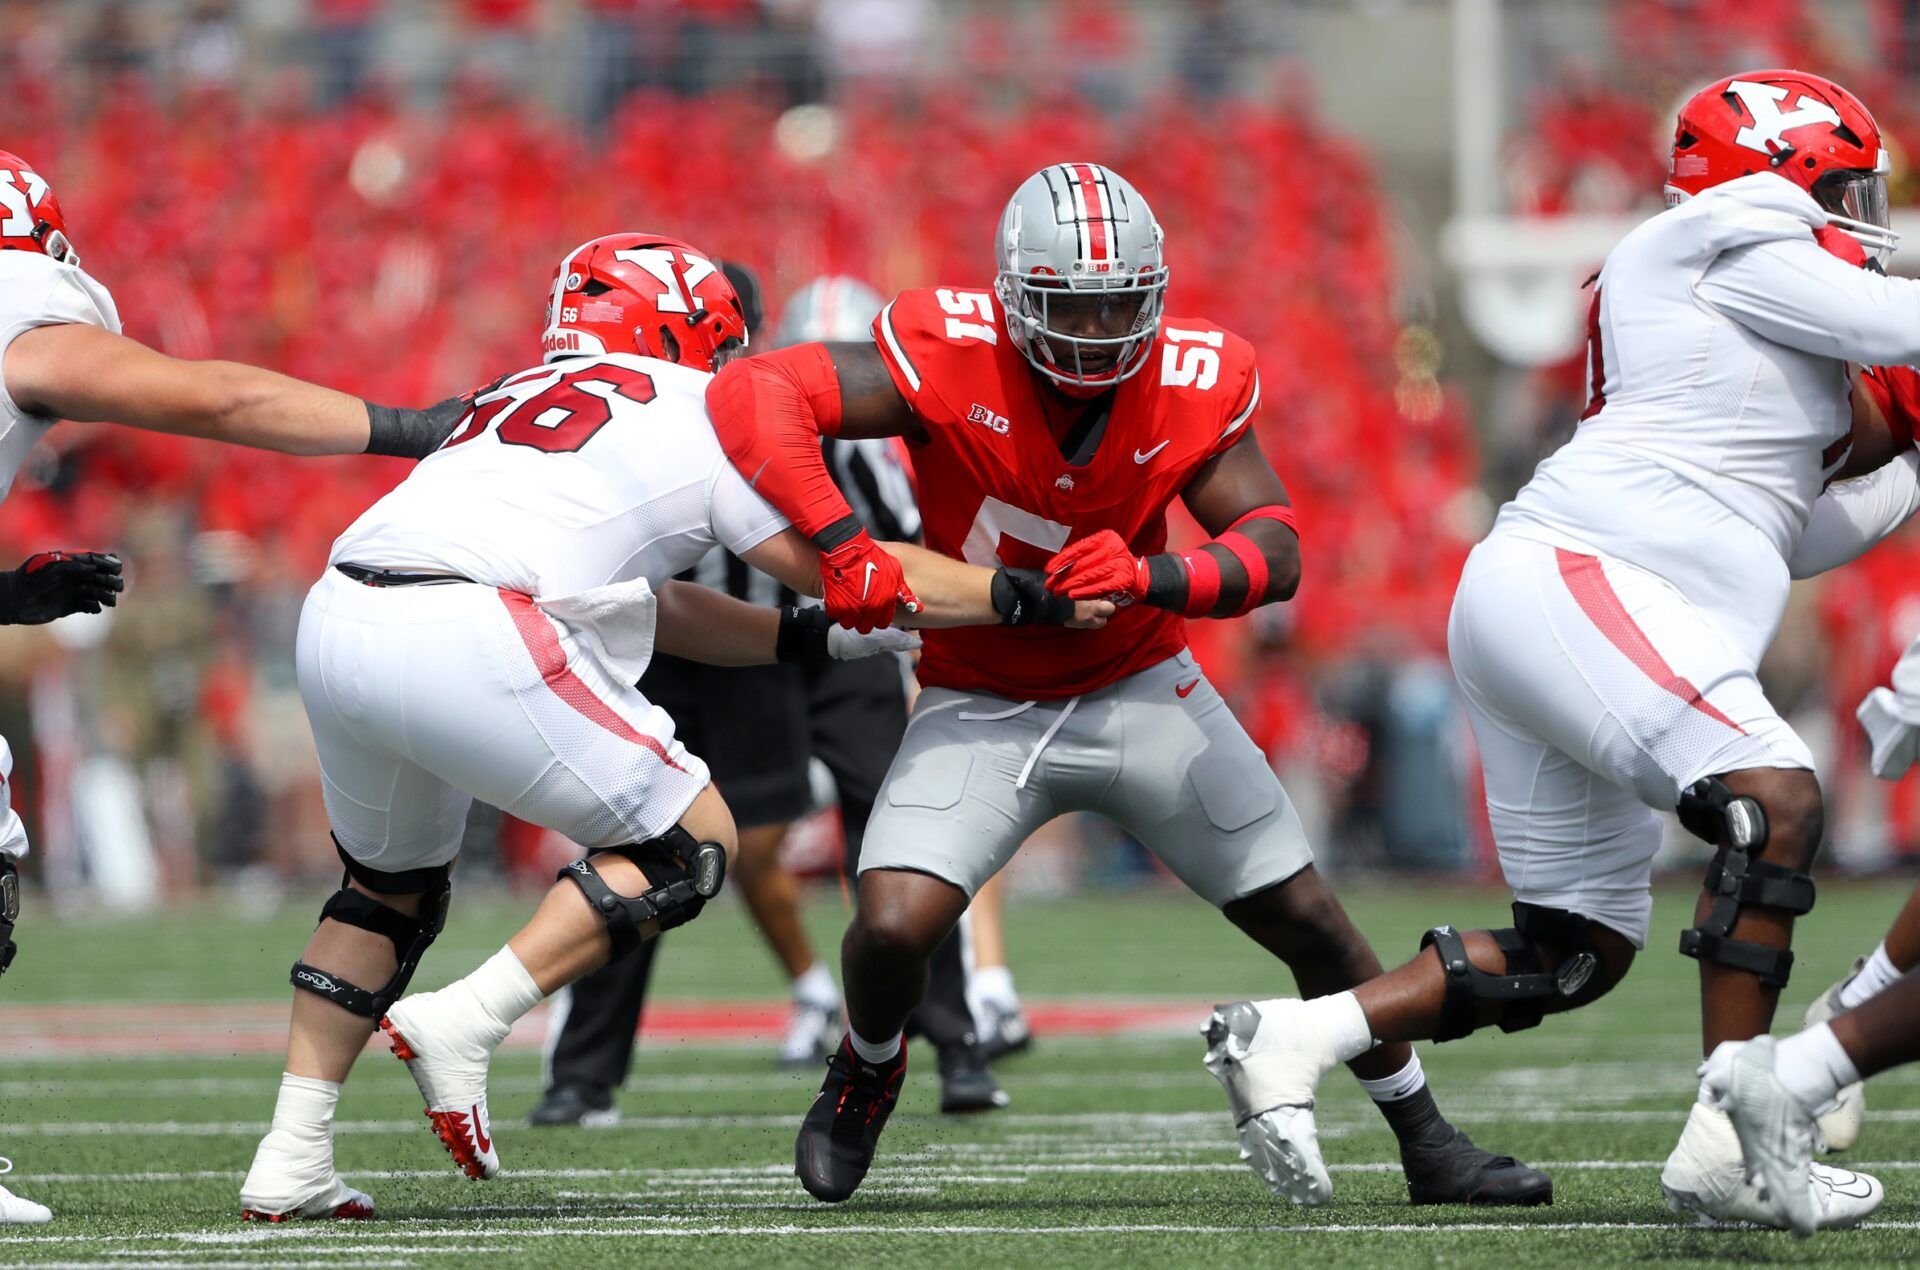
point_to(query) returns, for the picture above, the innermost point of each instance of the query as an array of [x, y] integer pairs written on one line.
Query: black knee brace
[[411, 936], [1738, 827], [1526, 985], [682, 875]]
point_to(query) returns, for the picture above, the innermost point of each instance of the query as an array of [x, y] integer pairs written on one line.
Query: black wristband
[[10, 582], [413, 434], [839, 533], [1021, 598], [1166, 582], [803, 635]]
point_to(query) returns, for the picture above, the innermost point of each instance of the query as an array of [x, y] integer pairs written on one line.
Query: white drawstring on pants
[[1033, 758]]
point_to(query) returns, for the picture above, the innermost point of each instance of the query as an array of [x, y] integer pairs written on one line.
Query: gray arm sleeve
[[1854, 515], [1794, 293]]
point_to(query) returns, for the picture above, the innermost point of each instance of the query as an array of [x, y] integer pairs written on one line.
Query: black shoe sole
[[817, 1186], [1539, 1195]]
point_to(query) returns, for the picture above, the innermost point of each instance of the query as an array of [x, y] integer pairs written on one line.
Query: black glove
[[1021, 598], [9, 909], [56, 583], [414, 434]]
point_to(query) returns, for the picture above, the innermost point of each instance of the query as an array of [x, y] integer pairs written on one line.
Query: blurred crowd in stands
[[267, 188]]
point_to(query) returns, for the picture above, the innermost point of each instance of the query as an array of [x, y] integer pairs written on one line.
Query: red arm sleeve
[[1896, 389], [769, 413]]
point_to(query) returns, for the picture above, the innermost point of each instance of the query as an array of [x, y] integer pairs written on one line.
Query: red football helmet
[[33, 221], [1808, 129], [641, 293]]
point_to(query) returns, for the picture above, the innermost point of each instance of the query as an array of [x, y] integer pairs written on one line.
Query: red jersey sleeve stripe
[[898, 354], [1246, 412]]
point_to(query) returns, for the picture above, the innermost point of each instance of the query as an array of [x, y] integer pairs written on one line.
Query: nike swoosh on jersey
[[1181, 690], [1140, 456]]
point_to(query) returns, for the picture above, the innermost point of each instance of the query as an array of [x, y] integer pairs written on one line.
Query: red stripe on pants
[[537, 633], [1596, 598]]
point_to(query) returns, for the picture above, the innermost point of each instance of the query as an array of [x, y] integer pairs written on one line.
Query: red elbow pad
[[769, 413]]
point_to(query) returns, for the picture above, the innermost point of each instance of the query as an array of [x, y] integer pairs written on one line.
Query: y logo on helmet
[[20, 192], [1770, 123], [680, 280]]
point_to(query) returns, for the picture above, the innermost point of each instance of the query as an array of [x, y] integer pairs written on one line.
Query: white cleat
[[15, 1211], [289, 1182], [1839, 1125], [1706, 1177], [446, 1040], [1775, 1130], [813, 1032], [1269, 1058]]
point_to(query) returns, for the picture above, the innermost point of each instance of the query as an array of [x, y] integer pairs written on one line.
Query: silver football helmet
[[832, 308], [1081, 274]]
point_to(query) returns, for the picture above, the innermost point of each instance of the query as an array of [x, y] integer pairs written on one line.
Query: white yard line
[[658, 1226], [963, 1171]]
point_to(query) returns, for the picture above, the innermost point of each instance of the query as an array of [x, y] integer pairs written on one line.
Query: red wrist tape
[[1203, 583], [1254, 561]]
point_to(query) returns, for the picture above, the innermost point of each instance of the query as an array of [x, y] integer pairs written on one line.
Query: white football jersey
[[37, 290], [569, 476], [1717, 359]]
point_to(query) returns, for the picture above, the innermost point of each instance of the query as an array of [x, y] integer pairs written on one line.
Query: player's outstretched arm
[[88, 375], [703, 625], [770, 412], [949, 592], [1254, 557]]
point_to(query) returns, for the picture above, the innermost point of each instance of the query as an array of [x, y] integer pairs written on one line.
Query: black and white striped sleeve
[[869, 472]]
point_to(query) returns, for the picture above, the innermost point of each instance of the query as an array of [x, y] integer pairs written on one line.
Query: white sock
[[1814, 1066], [504, 988], [1405, 1083], [1343, 1018], [305, 1107], [1876, 976], [871, 1052], [995, 984], [815, 986]]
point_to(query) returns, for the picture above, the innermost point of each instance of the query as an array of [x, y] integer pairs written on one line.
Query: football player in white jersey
[[62, 356], [1606, 634], [478, 634]]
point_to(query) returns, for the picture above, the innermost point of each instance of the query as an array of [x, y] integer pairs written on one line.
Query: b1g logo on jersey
[[1767, 132], [987, 419]]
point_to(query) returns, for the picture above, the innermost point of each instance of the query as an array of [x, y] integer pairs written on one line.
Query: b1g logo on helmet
[[1767, 132]]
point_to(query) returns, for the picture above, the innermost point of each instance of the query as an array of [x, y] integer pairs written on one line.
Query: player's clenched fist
[[1101, 566], [56, 583], [862, 585]]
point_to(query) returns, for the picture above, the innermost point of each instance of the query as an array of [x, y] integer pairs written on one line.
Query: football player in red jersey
[[1052, 420]]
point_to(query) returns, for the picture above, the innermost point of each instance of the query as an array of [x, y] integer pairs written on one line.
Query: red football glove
[[1100, 567], [864, 584]]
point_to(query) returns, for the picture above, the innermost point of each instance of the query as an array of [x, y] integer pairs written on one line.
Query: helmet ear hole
[[669, 346]]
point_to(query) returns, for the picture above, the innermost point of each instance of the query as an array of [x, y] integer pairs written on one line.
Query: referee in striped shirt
[[759, 728]]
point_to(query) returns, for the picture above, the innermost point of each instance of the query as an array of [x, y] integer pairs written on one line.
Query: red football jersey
[[995, 489]]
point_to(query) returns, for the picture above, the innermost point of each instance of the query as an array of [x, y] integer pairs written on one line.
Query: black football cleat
[[965, 1083], [587, 1105], [837, 1139], [1445, 1167]]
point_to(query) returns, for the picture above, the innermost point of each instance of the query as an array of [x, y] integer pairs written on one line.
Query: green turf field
[[1115, 1149]]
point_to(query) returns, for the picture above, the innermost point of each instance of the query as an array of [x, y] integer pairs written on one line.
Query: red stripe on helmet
[[1099, 245]]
